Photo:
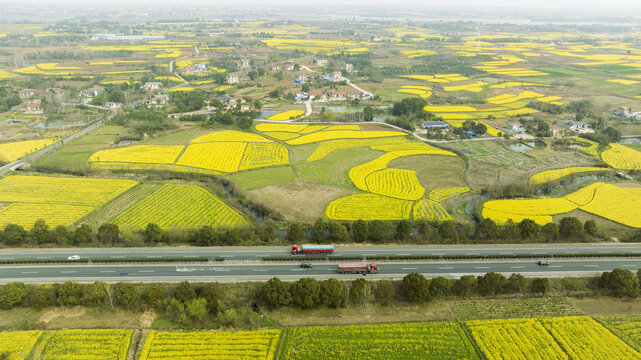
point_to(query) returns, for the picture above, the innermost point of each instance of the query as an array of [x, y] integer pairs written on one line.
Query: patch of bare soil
[[147, 318], [62, 312]]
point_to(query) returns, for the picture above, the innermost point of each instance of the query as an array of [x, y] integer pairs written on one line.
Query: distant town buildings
[[233, 79], [152, 86]]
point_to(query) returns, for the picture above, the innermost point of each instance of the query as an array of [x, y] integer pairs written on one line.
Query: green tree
[[403, 230], [109, 233], [12, 294], [61, 235], [277, 293], [41, 296], [154, 297], [440, 287], [39, 233], [184, 292], [332, 293], [213, 293], [206, 236], [590, 227], [83, 234], [448, 232], [175, 310], [306, 293], [516, 284], [338, 232], [318, 231], [196, 309], [550, 231], [295, 233], [570, 228], [384, 292], [69, 294], [621, 283], [491, 284], [127, 296], [360, 291], [416, 287], [360, 228], [540, 286], [95, 294], [153, 233], [487, 229], [266, 231], [465, 286], [368, 113], [528, 229], [14, 235], [379, 231]]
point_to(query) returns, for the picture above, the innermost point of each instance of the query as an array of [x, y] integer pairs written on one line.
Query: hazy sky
[[578, 4]]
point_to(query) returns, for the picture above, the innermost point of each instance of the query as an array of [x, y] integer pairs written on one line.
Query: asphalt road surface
[[256, 253], [255, 271]]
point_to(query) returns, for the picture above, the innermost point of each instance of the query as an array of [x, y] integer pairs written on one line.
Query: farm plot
[[13, 151], [211, 345], [429, 341], [583, 338], [152, 154], [324, 135], [18, 343], [220, 156], [627, 328], [327, 147], [86, 345], [60, 201], [397, 183], [552, 175], [430, 210], [286, 115], [230, 135], [446, 193], [179, 206], [622, 157], [515, 339], [261, 155], [368, 207]]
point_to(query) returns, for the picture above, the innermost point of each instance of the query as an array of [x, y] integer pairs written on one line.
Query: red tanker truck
[[357, 268], [312, 249]]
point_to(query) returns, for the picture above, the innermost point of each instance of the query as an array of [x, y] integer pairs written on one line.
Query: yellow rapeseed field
[[92, 344], [14, 150], [551, 175], [622, 157], [220, 156], [430, 210], [327, 147], [286, 115], [368, 207], [266, 127], [153, 154], [538, 210], [230, 135], [281, 135], [18, 343], [342, 134], [446, 193], [264, 154], [397, 183]]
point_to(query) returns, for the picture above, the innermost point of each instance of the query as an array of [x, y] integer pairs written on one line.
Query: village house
[[626, 112], [276, 67], [233, 79], [317, 96], [194, 69], [322, 62], [89, 93], [431, 125], [158, 101], [290, 66], [26, 93], [574, 125], [113, 106], [152, 86], [56, 91], [349, 67], [29, 108]]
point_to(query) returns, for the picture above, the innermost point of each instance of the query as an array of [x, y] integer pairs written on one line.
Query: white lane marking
[[260, 270], [107, 271], [555, 266], [190, 256], [403, 254], [222, 269], [6, 258], [517, 267], [445, 267], [117, 257], [629, 265], [472, 253], [409, 268], [146, 271], [43, 257], [296, 269], [590, 265], [481, 267], [28, 272], [68, 272]]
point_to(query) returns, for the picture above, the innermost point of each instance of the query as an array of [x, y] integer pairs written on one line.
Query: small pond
[[521, 147]]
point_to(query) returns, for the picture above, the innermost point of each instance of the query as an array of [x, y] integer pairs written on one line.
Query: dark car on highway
[[543, 263], [306, 265]]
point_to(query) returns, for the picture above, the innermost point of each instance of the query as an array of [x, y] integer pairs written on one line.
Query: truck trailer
[[357, 268], [312, 249]]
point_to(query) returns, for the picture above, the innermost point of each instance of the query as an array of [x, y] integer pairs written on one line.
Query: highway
[[291, 271], [256, 253]]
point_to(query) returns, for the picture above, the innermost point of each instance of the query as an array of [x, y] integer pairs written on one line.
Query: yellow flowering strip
[[368, 207], [287, 115], [281, 135], [539, 210], [435, 340], [18, 343], [430, 210], [221, 156], [622, 157], [179, 206], [397, 183], [342, 134], [168, 78], [327, 147], [230, 135], [212, 345], [182, 88], [92, 344], [624, 81], [617, 204], [262, 127], [13, 151], [153, 154], [514, 84], [551, 175], [261, 155], [446, 193]]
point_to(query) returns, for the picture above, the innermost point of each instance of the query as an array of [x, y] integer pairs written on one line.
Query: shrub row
[[311, 258], [141, 260], [507, 256], [43, 261]]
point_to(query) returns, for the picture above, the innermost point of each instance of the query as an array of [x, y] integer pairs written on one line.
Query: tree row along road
[[261, 272], [257, 253]]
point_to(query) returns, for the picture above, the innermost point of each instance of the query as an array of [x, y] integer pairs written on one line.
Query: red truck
[[312, 249], [357, 268]]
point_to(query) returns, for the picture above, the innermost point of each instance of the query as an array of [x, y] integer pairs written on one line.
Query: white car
[[74, 257]]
